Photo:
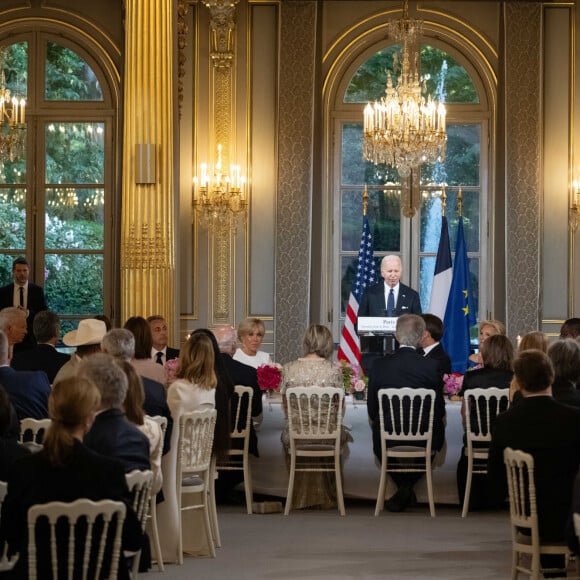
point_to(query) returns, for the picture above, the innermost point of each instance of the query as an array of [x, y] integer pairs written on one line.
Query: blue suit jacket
[[28, 392], [373, 302]]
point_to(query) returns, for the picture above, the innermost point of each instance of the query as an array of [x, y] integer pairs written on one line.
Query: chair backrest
[[482, 406], [196, 432], [314, 412], [242, 415], [522, 491], [162, 422], [140, 484], [94, 528], [37, 427], [3, 491], [406, 414]]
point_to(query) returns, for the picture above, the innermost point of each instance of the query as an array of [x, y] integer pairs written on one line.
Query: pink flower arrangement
[[171, 368], [353, 377], [453, 383], [269, 377]]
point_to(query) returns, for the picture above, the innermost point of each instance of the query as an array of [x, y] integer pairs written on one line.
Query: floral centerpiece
[[452, 385], [171, 367], [354, 380], [269, 377]]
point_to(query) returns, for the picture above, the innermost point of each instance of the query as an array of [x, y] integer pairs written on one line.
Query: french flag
[[443, 274]]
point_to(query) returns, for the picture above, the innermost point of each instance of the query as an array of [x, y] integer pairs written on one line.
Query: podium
[[377, 338]]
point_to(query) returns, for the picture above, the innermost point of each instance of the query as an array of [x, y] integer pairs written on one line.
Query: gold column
[[147, 250]]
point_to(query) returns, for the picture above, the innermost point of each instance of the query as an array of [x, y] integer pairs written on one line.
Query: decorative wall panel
[[523, 36], [293, 223]]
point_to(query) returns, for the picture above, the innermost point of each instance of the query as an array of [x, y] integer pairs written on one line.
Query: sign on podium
[[377, 324]]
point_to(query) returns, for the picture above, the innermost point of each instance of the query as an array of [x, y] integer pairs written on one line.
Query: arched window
[[55, 194], [415, 238]]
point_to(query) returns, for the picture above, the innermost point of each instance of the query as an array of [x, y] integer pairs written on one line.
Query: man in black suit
[[28, 390], [43, 356], [406, 368], [160, 352], [376, 300], [120, 344], [25, 295], [550, 432], [431, 345], [112, 434]]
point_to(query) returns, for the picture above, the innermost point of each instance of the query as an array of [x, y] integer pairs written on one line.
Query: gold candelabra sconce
[[219, 198], [12, 118], [574, 213]]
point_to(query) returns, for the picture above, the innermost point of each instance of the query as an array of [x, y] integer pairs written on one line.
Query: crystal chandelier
[[219, 199], [405, 128], [12, 119]]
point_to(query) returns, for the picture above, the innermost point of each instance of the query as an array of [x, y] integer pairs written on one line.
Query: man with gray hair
[[43, 356], [406, 368], [13, 324], [112, 434], [120, 343]]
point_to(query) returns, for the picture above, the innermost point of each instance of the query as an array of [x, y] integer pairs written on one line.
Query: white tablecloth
[[361, 472]]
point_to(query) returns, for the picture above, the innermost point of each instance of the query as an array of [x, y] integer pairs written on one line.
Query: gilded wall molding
[[523, 104], [182, 31], [293, 223]]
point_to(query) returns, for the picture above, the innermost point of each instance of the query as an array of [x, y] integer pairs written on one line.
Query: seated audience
[[142, 361], [112, 434], [133, 407], [487, 328], [194, 389], [28, 390], [120, 343], [43, 356], [64, 470], [565, 357], [10, 448], [406, 368], [313, 368], [497, 355], [531, 340], [87, 340], [250, 334], [550, 432], [431, 345], [570, 328], [160, 352], [13, 323]]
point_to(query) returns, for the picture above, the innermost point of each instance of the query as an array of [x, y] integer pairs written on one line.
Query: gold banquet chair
[[314, 424], [194, 461], [238, 457], [109, 516], [139, 484], [524, 516], [408, 428], [482, 406], [37, 427]]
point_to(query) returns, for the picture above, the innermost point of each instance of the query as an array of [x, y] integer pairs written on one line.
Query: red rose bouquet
[[269, 377]]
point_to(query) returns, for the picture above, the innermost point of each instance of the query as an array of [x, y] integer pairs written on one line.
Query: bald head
[[226, 337]]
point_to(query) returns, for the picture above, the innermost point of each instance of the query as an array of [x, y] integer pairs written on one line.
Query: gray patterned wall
[[523, 33], [295, 134]]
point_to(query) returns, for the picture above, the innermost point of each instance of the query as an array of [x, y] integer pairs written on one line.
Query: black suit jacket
[[156, 404], [438, 354], [113, 435], [171, 353], [84, 475], [484, 378], [42, 357], [373, 302], [406, 368], [550, 432], [247, 376], [28, 392], [35, 303]]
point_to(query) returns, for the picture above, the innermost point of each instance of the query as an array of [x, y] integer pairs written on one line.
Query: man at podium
[[390, 297]]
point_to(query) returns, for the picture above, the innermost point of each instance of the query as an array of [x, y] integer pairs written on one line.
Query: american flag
[[349, 348]]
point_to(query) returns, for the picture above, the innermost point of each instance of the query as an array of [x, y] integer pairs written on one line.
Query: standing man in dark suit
[[550, 432], [431, 345], [25, 295], [28, 390], [406, 368], [390, 297], [160, 352], [43, 356]]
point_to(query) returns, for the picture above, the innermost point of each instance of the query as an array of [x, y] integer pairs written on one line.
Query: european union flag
[[460, 312]]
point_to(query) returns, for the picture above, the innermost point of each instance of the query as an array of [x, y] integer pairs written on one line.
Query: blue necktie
[[391, 303]]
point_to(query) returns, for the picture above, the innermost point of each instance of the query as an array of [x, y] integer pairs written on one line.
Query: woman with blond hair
[[194, 389], [250, 334], [65, 470], [487, 328]]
